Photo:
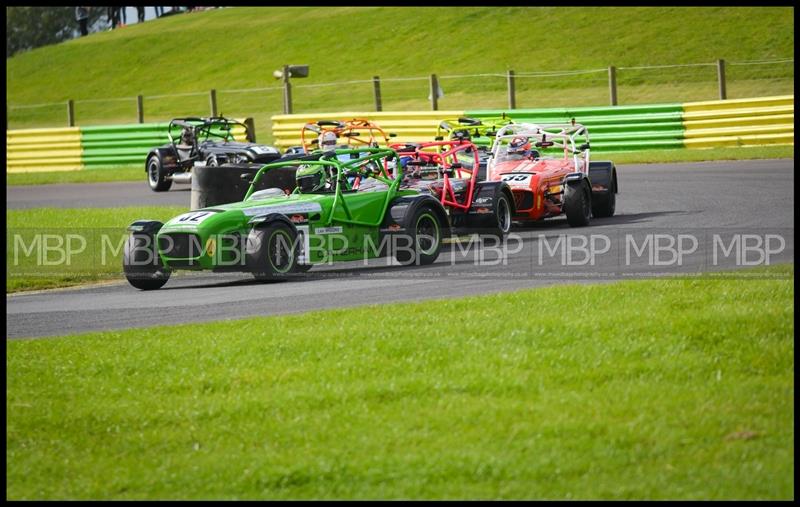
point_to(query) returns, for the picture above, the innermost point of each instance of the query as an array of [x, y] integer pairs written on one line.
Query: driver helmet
[[519, 145], [310, 178], [187, 136], [327, 140]]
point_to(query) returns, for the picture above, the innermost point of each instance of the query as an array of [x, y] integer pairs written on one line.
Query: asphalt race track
[[673, 200]]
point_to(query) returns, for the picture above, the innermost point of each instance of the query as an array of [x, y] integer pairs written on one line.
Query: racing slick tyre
[[502, 216], [604, 205], [156, 176], [577, 204], [272, 252], [142, 264], [425, 240]]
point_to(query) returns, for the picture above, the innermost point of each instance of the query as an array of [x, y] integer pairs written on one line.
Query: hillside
[[236, 48]]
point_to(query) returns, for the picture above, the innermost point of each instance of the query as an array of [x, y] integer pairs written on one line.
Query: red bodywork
[[537, 184], [453, 165]]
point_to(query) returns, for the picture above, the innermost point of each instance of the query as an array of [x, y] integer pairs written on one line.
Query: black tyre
[[156, 176], [577, 204], [425, 238], [502, 217], [604, 205], [272, 252], [142, 264], [302, 268]]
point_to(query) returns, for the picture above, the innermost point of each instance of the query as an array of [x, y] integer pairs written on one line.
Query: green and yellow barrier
[[741, 122], [35, 150], [76, 148], [738, 122]]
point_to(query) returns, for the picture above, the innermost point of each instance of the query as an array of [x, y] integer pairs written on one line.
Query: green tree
[[32, 27]]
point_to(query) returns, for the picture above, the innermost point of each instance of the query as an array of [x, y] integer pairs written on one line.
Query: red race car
[[449, 171], [548, 169]]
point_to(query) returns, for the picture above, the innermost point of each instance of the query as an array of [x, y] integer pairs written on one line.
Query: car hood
[[238, 213]]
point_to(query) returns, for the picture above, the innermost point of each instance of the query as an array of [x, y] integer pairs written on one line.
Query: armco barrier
[[740, 122], [127, 144], [75, 148], [612, 127], [32, 150], [745, 122]]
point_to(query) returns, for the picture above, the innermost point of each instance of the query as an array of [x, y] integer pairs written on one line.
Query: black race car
[[202, 141]]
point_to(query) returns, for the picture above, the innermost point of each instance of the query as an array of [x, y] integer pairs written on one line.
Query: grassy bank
[[240, 47], [659, 389]]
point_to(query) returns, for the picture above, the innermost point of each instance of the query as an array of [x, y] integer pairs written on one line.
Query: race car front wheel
[[272, 252], [142, 264], [577, 204], [156, 176]]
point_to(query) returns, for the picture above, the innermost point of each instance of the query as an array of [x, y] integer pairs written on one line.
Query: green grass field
[[136, 173], [238, 48], [102, 229], [657, 389]]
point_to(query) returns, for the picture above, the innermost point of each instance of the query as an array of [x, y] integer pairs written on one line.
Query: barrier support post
[[434, 92], [140, 109], [612, 84], [721, 77], [212, 97], [70, 113], [376, 90], [512, 90]]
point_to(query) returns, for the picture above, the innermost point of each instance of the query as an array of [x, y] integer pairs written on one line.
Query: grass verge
[[41, 241], [704, 155], [659, 389], [136, 173], [107, 174]]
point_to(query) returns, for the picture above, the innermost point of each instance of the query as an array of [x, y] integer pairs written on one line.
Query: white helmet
[[327, 140]]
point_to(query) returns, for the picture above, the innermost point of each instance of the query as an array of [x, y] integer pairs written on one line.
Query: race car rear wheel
[[577, 204], [425, 239], [142, 264], [502, 216], [604, 205], [156, 176], [272, 252]]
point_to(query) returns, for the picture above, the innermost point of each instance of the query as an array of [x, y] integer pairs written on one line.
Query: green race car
[[341, 210]]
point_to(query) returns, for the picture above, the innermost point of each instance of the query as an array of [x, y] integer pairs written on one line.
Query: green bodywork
[[328, 219]]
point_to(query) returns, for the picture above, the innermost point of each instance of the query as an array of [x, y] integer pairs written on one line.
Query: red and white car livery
[[549, 171]]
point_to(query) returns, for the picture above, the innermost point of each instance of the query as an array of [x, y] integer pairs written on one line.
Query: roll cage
[[204, 128], [572, 138], [358, 167], [358, 132], [442, 158], [465, 128]]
